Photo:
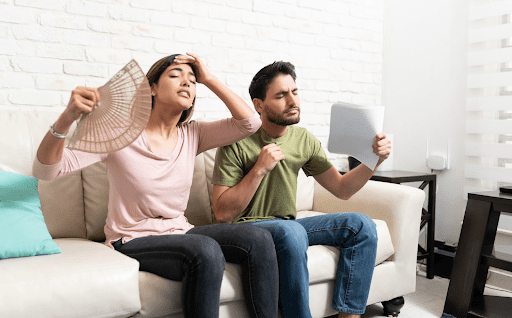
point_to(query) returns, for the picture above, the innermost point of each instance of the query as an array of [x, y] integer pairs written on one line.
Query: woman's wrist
[[211, 81], [62, 124]]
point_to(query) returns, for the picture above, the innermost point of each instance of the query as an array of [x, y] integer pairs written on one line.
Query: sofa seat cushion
[[323, 260], [162, 297], [87, 279]]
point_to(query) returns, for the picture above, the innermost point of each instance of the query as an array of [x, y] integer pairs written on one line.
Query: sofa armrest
[[398, 205]]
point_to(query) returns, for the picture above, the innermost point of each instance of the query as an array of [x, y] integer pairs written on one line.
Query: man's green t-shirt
[[276, 195]]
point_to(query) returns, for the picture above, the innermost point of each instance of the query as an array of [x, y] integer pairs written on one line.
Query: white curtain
[[489, 102]]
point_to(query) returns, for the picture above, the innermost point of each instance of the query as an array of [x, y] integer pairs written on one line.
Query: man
[[255, 180]]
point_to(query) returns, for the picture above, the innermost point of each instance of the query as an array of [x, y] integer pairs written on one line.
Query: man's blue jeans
[[354, 233]]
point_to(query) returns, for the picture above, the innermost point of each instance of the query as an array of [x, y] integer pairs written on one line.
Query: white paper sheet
[[352, 130]]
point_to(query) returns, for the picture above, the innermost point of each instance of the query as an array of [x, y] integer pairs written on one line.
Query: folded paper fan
[[120, 116]]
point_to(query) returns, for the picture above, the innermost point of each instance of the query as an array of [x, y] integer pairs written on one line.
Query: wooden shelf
[[496, 259], [490, 307]]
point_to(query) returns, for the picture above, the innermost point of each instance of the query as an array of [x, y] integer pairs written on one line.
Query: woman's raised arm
[[81, 102]]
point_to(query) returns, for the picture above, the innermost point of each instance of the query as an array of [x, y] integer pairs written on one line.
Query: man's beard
[[279, 119]]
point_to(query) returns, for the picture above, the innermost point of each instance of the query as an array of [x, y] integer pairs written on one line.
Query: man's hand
[[269, 156], [230, 202], [381, 147]]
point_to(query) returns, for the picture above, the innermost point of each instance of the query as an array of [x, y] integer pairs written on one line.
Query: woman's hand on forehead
[[203, 75]]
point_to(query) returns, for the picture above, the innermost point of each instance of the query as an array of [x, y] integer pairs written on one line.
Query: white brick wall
[[48, 47]]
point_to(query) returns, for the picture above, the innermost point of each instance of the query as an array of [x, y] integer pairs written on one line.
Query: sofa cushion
[[64, 217], [22, 228], [322, 259], [305, 192], [87, 279], [199, 211], [21, 132], [322, 264], [95, 187]]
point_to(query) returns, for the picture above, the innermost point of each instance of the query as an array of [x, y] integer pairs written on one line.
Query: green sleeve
[[318, 162], [228, 169]]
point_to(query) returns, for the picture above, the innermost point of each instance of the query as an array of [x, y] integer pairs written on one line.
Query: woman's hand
[[82, 101], [238, 108], [203, 76]]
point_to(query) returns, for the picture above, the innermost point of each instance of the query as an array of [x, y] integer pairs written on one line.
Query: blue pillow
[[22, 228]]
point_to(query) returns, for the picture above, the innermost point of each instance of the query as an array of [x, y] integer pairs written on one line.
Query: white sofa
[[89, 279]]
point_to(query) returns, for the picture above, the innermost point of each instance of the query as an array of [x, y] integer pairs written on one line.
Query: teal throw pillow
[[22, 228]]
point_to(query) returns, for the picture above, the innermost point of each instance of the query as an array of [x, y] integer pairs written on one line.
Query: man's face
[[282, 103]]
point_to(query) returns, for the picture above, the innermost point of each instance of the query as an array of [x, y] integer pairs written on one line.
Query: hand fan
[[120, 116]]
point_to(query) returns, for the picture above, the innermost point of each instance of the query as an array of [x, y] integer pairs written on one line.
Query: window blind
[[489, 99]]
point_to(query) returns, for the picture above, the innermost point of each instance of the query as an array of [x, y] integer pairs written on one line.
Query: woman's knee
[[258, 237], [206, 253]]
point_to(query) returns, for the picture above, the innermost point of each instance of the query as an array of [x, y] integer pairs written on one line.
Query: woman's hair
[[154, 74], [260, 81]]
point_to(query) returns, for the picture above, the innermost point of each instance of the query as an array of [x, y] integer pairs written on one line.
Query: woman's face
[[176, 87]]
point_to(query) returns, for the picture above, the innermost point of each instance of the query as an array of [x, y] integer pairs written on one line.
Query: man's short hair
[[262, 79]]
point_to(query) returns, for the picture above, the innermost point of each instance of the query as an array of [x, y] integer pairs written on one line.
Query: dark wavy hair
[[262, 79], [154, 74]]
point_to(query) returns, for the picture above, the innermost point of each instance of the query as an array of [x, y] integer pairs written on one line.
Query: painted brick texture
[[48, 47]]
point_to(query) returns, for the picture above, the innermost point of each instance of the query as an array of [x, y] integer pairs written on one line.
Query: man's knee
[[364, 225], [291, 235]]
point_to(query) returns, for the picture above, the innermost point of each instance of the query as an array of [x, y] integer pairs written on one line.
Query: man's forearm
[[354, 180], [232, 202]]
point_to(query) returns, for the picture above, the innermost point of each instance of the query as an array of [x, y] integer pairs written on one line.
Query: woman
[[150, 182]]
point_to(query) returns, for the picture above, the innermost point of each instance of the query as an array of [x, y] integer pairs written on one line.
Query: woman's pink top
[[148, 193]]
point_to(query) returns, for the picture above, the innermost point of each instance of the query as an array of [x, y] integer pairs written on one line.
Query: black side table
[[475, 253], [427, 217]]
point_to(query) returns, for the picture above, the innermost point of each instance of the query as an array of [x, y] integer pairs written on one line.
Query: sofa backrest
[[76, 205]]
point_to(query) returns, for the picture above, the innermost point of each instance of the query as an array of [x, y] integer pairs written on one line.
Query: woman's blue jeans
[[197, 259], [354, 233]]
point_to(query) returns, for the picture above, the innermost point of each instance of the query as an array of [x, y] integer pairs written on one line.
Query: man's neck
[[273, 130]]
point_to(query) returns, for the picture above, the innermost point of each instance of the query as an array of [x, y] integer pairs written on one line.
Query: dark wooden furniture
[[427, 217], [475, 253]]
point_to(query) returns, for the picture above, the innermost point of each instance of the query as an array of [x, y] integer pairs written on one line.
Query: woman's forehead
[[181, 67]]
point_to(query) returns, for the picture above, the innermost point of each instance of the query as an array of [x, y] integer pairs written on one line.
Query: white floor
[[428, 300]]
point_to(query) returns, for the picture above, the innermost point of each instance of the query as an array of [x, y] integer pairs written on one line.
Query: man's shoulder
[[249, 141], [243, 146], [302, 134], [299, 130]]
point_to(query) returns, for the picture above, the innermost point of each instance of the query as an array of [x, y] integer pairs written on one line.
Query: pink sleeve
[[226, 131], [72, 160]]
